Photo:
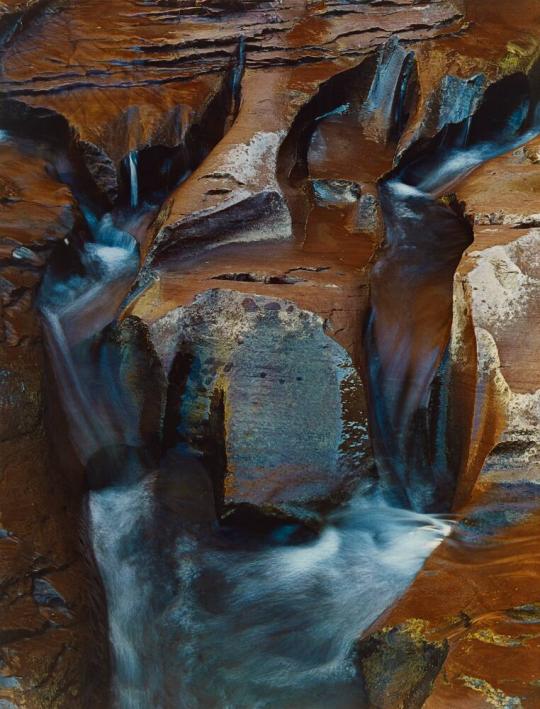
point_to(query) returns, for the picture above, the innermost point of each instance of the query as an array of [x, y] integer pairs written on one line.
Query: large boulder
[[271, 403]]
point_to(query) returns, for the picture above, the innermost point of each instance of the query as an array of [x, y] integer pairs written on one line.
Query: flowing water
[[201, 615], [225, 622], [408, 329], [133, 180]]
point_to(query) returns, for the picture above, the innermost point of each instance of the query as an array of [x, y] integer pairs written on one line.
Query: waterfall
[[237, 72], [215, 623], [201, 615], [133, 179], [410, 316], [74, 310], [196, 616]]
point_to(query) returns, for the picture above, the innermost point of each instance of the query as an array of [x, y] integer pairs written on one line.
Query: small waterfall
[[383, 113], [238, 70], [408, 327], [74, 310], [201, 616], [288, 613], [133, 179], [120, 526], [213, 622]]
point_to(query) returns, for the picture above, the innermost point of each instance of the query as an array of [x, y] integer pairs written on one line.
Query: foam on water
[[271, 626]]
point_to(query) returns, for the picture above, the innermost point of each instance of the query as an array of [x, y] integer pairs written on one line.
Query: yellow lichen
[[490, 637], [520, 56], [493, 696]]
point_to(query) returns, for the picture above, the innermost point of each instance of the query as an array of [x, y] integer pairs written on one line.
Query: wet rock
[[102, 169], [117, 465], [493, 696], [368, 217], [502, 287], [20, 403], [335, 191], [262, 375], [185, 489], [399, 665], [15, 15], [52, 639], [384, 119], [36, 214], [454, 100], [131, 79], [140, 385], [45, 594]]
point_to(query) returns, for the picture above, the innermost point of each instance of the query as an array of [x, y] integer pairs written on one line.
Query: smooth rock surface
[[260, 375]]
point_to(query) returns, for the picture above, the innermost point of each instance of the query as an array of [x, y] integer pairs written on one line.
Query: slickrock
[[497, 292], [53, 643], [144, 75], [478, 593]]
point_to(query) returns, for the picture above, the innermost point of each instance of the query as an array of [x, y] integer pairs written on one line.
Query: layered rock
[[465, 633], [144, 76], [497, 290]]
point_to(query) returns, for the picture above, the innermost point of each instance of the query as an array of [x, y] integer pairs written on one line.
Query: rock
[[504, 301], [230, 113], [384, 119], [498, 278], [398, 666], [20, 402], [36, 213], [368, 216], [53, 637], [335, 191], [482, 623], [266, 398], [140, 382]]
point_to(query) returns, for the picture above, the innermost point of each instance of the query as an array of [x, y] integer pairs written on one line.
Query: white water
[[133, 180], [198, 620], [271, 626], [74, 310]]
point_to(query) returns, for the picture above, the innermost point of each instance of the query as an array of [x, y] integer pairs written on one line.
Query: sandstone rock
[[53, 646], [504, 301], [398, 666], [259, 378], [240, 110], [36, 213], [483, 621], [498, 278], [141, 385]]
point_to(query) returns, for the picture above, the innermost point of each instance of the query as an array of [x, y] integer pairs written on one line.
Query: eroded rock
[[260, 375], [399, 665]]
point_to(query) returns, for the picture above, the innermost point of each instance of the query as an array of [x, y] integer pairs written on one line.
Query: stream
[[201, 615]]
